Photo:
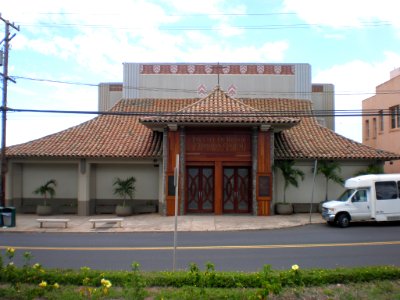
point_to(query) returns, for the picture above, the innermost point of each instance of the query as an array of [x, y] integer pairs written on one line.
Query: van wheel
[[343, 221]]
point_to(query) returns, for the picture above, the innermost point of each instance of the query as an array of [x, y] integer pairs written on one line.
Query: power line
[[164, 89], [56, 81], [275, 113], [202, 28], [168, 15]]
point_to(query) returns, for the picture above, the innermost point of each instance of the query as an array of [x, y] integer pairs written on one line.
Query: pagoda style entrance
[[223, 148], [223, 171]]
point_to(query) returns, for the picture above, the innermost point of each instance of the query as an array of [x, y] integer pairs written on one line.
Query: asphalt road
[[311, 246]]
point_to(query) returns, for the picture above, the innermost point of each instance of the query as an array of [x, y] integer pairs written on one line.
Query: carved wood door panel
[[237, 194], [200, 190]]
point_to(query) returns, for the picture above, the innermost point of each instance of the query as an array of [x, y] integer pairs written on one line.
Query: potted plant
[[124, 188], [45, 190], [290, 176]]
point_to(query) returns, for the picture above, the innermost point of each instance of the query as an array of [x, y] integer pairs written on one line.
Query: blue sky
[[353, 44]]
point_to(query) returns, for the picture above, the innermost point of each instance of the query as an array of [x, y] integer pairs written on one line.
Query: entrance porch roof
[[219, 109]]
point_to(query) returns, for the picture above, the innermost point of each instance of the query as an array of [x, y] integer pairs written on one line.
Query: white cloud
[[22, 127], [344, 13], [220, 11], [355, 81], [108, 34], [274, 51], [208, 7], [227, 30], [99, 29]]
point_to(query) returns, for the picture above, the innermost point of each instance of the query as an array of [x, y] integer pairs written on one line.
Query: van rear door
[[387, 198]]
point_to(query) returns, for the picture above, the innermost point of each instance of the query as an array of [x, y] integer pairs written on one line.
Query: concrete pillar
[[84, 188], [182, 170], [163, 203], [254, 163], [13, 187], [272, 161]]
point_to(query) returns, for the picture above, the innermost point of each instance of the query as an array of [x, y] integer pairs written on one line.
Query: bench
[[109, 220], [41, 221]]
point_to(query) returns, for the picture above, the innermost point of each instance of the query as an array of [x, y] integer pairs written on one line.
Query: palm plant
[[330, 170], [47, 189], [371, 169], [289, 173], [124, 188]]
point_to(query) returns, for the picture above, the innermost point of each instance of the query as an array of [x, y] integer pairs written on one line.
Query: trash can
[[8, 216], [1, 216]]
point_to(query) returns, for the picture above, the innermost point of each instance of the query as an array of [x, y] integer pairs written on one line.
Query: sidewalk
[[157, 223]]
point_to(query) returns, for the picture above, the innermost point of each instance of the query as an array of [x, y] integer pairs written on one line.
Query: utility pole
[[4, 61]]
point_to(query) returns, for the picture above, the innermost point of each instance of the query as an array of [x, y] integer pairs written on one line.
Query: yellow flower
[[43, 284], [106, 283], [36, 266], [56, 285], [86, 281], [295, 267], [10, 250]]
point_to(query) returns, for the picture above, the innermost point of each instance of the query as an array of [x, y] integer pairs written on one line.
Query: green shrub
[[268, 280]]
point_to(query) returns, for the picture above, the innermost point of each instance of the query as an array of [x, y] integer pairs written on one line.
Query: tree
[[124, 188], [47, 189], [289, 173], [330, 170], [371, 169]]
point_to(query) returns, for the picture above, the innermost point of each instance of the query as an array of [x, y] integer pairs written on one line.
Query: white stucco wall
[[35, 175], [147, 180], [303, 193]]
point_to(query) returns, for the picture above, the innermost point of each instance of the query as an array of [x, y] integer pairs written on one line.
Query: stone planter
[[284, 208], [43, 210], [123, 211]]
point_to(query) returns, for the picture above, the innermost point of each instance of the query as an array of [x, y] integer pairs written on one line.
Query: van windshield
[[346, 195]]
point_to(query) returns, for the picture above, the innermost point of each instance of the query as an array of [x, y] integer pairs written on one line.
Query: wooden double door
[[201, 187]]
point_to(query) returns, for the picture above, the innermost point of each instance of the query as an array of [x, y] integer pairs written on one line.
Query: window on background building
[[381, 123], [374, 128], [398, 116], [395, 116], [367, 129]]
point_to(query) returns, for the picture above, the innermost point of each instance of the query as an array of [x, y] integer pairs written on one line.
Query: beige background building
[[381, 119], [239, 80]]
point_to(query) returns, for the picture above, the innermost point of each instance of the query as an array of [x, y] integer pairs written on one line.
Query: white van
[[366, 198]]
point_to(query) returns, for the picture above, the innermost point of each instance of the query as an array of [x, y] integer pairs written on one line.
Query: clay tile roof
[[323, 143], [119, 133], [309, 140], [218, 107]]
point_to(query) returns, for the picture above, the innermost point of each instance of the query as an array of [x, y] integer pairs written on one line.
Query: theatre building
[[224, 146]]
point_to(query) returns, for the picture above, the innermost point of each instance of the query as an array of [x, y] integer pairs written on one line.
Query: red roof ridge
[[215, 93]]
